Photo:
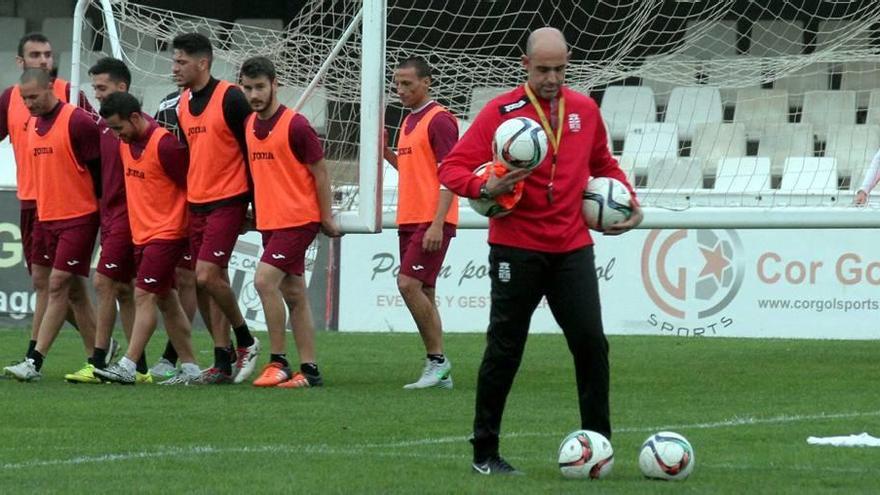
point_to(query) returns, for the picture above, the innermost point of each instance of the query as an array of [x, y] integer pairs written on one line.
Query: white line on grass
[[361, 448], [735, 421]]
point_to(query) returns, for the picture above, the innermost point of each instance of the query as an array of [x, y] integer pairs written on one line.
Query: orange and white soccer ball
[[667, 456], [586, 454]]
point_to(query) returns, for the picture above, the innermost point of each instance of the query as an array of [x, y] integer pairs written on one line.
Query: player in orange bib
[[63, 147], [292, 202], [211, 114], [427, 212], [34, 51], [155, 181]]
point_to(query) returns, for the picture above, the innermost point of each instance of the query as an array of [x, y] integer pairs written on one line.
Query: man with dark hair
[[292, 203], [427, 212], [63, 146], [184, 274], [212, 115], [115, 270], [155, 182], [34, 51], [543, 247]]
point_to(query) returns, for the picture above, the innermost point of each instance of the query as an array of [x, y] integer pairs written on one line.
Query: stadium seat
[[7, 165], [151, 96], [853, 146], [743, 174], [628, 167], [59, 30], [688, 107], [131, 39], [9, 71], [645, 142], [625, 105], [250, 30], [315, 108], [663, 73], [873, 107], [482, 95], [775, 38], [731, 75], [861, 77], [715, 141], [757, 108], [826, 108], [779, 141], [814, 77], [225, 70], [810, 175], [842, 34], [11, 31], [148, 68], [705, 41], [676, 173]]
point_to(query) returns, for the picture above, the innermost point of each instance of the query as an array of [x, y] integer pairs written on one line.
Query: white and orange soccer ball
[[586, 454], [667, 456], [500, 205], [520, 143]]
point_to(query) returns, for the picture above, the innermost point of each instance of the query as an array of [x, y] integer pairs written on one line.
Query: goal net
[[723, 113]]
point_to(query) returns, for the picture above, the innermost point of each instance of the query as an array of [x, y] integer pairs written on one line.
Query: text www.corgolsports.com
[[820, 305]]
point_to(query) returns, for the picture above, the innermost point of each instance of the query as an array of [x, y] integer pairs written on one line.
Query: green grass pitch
[[747, 406]]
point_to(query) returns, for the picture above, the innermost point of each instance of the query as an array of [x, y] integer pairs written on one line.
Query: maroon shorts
[[212, 234], [418, 263], [67, 246], [285, 249], [26, 222], [156, 261], [117, 253], [186, 260]]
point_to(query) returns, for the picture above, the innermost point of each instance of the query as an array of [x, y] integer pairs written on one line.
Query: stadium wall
[[817, 284]]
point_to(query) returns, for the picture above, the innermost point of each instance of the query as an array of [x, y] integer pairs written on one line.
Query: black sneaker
[[495, 465]]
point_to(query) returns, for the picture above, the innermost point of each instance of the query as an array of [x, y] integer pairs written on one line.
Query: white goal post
[[724, 116]]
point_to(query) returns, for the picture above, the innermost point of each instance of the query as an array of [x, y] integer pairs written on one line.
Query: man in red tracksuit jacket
[[543, 248]]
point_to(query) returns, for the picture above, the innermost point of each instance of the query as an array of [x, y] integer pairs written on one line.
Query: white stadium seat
[[11, 31], [663, 73], [689, 107], [873, 116], [809, 175], [853, 146], [645, 142], [814, 77], [758, 108], [9, 71], [7, 165], [823, 109], [862, 77], [715, 141], [482, 95], [842, 34], [775, 38], [314, 109], [676, 173], [625, 105], [743, 174], [780, 141], [707, 41]]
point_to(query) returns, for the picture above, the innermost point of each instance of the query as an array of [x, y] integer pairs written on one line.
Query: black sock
[[31, 346], [142, 364], [279, 358], [99, 358], [170, 353], [243, 336], [37, 357], [437, 358], [309, 369], [221, 360]]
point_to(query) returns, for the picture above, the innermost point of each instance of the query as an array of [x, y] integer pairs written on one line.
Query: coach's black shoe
[[495, 465]]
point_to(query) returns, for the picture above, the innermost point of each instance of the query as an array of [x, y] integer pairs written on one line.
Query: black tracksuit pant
[[520, 278]]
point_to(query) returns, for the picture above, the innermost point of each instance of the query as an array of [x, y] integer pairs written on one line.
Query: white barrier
[[736, 283]]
